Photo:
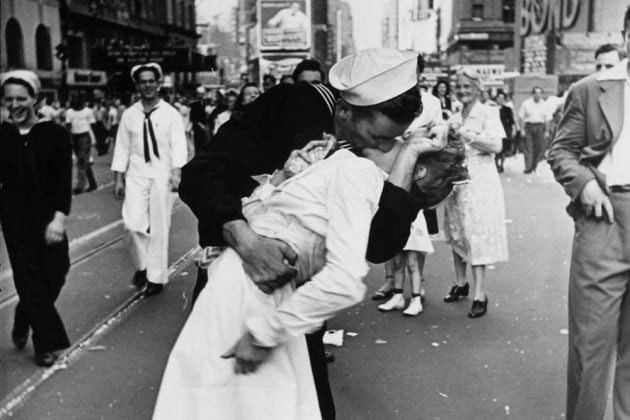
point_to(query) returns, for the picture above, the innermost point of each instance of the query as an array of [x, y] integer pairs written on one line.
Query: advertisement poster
[[285, 25]]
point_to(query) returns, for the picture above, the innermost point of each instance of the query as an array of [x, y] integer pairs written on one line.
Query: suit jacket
[[591, 122]]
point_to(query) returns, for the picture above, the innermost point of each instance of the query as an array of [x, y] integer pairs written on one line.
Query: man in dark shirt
[[376, 100]]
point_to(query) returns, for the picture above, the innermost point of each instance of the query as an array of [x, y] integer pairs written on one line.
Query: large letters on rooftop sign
[[540, 16]]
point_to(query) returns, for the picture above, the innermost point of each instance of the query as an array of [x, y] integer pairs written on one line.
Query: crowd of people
[[354, 168]]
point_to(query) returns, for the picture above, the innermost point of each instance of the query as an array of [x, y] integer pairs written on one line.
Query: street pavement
[[439, 365]]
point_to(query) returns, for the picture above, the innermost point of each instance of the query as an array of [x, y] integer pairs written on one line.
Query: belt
[[619, 188]]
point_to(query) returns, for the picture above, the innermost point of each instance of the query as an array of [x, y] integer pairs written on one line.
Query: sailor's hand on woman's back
[[268, 262]]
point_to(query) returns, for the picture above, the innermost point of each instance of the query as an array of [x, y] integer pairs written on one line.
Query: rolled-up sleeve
[[351, 203]]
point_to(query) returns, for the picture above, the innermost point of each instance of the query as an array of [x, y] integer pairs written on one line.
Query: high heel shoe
[[415, 307], [396, 302], [456, 292], [479, 308]]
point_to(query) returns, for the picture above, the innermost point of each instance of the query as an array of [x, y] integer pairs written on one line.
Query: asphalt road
[[440, 365]]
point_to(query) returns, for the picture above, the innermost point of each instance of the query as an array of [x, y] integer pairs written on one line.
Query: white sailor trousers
[[146, 214]]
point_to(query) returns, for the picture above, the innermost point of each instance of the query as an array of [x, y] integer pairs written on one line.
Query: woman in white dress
[[474, 222], [324, 214]]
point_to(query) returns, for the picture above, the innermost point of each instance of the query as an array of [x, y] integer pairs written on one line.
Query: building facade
[[411, 25], [82, 45], [482, 33], [30, 31], [560, 38]]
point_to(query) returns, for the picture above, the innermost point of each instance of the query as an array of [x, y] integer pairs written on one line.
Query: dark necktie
[[147, 123]]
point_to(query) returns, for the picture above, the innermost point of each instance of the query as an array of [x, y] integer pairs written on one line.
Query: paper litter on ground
[[333, 337]]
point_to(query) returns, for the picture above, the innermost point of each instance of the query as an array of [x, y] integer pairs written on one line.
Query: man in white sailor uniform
[[149, 154]]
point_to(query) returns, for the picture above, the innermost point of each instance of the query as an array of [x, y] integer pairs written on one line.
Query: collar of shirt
[[619, 72]]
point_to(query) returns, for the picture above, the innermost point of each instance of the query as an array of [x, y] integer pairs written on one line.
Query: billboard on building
[[285, 25]]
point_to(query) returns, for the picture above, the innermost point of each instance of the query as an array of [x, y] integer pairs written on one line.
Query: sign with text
[[85, 77], [284, 25], [170, 58]]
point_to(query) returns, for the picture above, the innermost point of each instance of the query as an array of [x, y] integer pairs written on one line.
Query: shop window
[[15, 44], [43, 48], [508, 11], [477, 12]]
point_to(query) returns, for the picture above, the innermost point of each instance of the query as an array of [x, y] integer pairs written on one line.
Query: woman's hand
[[248, 355], [55, 229], [415, 145]]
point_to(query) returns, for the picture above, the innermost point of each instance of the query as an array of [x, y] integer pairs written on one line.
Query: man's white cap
[[147, 66], [375, 75], [26, 76]]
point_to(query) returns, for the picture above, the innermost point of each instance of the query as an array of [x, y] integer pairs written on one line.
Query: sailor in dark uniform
[[261, 138]]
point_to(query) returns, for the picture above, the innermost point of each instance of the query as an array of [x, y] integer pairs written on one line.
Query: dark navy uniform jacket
[[259, 140]]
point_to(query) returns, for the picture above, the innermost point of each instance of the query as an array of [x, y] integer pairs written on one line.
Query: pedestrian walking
[[283, 119], [474, 216], [150, 151], [533, 119], [509, 126], [35, 197], [590, 157], [79, 118]]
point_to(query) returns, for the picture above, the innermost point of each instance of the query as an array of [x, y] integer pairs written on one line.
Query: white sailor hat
[[147, 66], [375, 75], [27, 76]]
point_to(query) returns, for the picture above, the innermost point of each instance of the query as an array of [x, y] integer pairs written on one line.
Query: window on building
[[509, 11], [477, 12], [182, 14], [43, 48], [137, 7], [76, 52], [15, 44]]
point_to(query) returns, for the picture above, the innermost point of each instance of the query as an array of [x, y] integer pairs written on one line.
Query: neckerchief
[[147, 123]]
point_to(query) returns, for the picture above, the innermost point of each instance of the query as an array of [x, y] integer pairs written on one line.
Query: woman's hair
[[239, 100], [472, 76], [16, 81], [444, 169], [434, 92], [403, 109]]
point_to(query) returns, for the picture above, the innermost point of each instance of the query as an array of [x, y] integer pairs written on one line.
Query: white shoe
[[414, 308], [396, 302]]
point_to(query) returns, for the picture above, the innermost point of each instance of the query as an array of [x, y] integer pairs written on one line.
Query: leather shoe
[[139, 279], [153, 289], [45, 359], [456, 292], [19, 340], [478, 309]]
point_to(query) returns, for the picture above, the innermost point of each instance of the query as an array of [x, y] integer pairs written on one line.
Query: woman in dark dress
[[35, 196]]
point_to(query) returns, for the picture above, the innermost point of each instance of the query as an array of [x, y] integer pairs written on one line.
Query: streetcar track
[[12, 296]]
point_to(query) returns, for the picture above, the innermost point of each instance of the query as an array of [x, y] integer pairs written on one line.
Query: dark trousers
[[534, 145], [315, 352], [430, 216], [81, 145], [599, 315], [39, 273], [100, 132]]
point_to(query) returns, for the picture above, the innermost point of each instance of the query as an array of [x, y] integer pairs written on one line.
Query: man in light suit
[[590, 157]]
